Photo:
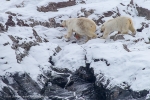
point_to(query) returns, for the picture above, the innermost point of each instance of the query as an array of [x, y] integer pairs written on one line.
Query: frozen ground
[[130, 67]]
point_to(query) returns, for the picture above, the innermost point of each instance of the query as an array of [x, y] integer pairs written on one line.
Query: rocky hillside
[[38, 63]]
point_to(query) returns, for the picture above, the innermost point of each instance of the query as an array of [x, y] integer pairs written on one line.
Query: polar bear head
[[63, 24], [102, 28]]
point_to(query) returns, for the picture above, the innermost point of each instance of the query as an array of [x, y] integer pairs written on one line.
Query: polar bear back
[[82, 25], [120, 23]]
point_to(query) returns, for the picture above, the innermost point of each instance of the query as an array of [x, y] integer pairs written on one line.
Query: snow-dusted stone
[[53, 6], [117, 37], [142, 6]]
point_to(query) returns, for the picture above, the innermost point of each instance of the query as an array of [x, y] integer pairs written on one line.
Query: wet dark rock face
[[65, 85], [73, 86]]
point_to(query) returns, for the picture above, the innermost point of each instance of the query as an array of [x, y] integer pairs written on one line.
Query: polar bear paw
[[66, 36]]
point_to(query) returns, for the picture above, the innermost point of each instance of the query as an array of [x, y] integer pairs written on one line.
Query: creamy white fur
[[120, 24], [82, 26]]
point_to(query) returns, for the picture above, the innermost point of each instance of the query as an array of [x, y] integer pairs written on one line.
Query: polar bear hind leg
[[125, 28], [131, 27]]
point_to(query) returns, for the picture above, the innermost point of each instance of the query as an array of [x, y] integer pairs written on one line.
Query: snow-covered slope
[[132, 67]]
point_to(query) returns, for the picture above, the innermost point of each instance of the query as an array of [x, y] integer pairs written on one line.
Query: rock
[[8, 94], [86, 12], [37, 37], [52, 6], [117, 37], [23, 84], [60, 81], [24, 45], [6, 44], [108, 14], [143, 12], [51, 23], [126, 48], [103, 60], [140, 29], [2, 28], [86, 73], [64, 85], [21, 23], [10, 13], [127, 94], [58, 49], [9, 22], [99, 21]]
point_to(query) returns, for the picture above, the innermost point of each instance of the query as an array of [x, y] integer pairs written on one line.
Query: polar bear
[[120, 24], [82, 26]]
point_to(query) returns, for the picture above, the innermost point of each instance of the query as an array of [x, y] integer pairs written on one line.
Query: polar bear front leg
[[68, 35], [105, 35], [88, 38]]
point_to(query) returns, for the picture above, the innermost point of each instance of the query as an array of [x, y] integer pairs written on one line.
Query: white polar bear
[[120, 24], [82, 26]]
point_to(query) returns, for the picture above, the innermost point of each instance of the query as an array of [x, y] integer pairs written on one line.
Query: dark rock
[[143, 12], [64, 85], [50, 60], [99, 21], [58, 49], [122, 4], [146, 26], [137, 40], [23, 84], [140, 94], [126, 48], [80, 2], [60, 81], [127, 94], [21, 23], [8, 94], [9, 22], [45, 40], [104, 60], [140, 30], [52, 6], [108, 14], [86, 73], [117, 37], [6, 43], [101, 92], [10, 13], [131, 2], [73, 41], [86, 12], [51, 23], [2, 28], [24, 45], [37, 37]]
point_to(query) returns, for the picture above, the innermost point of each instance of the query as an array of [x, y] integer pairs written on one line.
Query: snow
[[130, 67]]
